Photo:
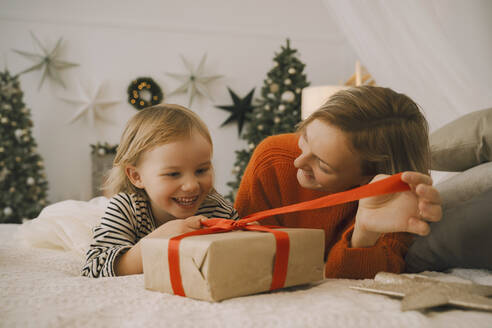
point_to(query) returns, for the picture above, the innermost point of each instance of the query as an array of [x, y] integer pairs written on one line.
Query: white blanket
[[41, 287], [64, 225]]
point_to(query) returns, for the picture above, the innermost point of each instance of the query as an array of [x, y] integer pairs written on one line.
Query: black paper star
[[239, 110]]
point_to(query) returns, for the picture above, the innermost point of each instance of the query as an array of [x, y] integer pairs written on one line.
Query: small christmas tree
[[277, 111], [23, 184]]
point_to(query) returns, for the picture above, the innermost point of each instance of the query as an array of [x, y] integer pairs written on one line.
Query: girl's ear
[[134, 177]]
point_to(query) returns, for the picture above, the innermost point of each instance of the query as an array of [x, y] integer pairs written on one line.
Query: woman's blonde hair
[[386, 128], [150, 127]]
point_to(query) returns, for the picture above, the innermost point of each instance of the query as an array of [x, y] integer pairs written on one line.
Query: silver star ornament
[[91, 102], [421, 292], [194, 82], [48, 61]]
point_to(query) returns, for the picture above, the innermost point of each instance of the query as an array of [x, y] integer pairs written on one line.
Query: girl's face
[[177, 177], [327, 161]]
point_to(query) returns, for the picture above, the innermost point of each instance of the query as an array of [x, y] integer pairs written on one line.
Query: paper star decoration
[[195, 82], [48, 61], [91, 102], [421, 292], [239, 110]]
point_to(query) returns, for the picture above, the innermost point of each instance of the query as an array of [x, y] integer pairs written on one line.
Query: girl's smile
[[186, 202]]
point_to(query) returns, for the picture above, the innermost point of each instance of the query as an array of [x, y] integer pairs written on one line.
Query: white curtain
[[438, 52]]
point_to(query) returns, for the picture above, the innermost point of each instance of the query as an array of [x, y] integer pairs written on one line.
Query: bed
[[41, 286], [40, 264]]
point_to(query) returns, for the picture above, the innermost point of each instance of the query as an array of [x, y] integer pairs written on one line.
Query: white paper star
[[421, 292], [47, 61], [194, 82], [90, 102]]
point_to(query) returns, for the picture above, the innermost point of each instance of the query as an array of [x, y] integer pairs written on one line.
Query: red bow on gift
[[391, 184]]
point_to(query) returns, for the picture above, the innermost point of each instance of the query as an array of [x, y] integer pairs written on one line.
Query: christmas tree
[[22, 182], [277, 111]]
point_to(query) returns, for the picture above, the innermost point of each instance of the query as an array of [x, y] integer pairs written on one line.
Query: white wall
[[117, 41]]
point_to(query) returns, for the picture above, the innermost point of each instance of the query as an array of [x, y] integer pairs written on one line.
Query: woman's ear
[[134, 177]]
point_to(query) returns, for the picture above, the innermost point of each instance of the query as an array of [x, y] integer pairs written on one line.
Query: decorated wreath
[[102, 149], [144, 92]]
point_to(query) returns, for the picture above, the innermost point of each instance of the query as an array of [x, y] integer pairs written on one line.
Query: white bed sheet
[[42, 288]]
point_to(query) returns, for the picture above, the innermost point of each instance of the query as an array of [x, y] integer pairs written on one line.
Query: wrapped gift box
[[224, 265]]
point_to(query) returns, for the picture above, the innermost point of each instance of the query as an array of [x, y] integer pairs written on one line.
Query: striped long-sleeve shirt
[[128, 218]]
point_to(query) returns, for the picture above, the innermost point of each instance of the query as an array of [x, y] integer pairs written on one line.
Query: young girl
[[357, 136], [163, 180]]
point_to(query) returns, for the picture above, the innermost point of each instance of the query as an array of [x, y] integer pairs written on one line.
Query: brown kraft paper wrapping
[[219, 266]]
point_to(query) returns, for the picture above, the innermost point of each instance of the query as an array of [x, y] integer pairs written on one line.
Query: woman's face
[[327, 162]]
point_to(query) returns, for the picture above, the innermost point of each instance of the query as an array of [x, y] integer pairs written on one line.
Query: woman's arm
[[408, 211], [387, 254], [379, 239]]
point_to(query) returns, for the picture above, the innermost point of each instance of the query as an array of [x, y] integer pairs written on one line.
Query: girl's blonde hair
[[386, 128], [150, 127]]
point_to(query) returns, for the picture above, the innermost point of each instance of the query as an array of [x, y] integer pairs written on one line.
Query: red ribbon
[[391, 184]]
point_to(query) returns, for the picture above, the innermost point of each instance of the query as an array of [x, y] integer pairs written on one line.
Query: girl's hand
[[254, 223], [178, 227], [131, 261], [408, 211]]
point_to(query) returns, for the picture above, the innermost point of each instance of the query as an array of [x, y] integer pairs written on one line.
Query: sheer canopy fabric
[[419, 48]]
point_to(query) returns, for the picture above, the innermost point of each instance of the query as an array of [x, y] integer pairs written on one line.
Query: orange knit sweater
[[270, 181]]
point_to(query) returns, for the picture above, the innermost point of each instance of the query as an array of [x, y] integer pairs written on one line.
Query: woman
[[358, 136]]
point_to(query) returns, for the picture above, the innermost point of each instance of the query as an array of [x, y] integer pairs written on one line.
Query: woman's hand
[[408, 211]]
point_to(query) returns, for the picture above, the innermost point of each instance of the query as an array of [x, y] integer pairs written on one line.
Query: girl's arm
[[114, 250], [131, 261], [112, 237]]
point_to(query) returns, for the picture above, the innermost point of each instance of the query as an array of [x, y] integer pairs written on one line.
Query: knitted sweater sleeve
[[359, 263]]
